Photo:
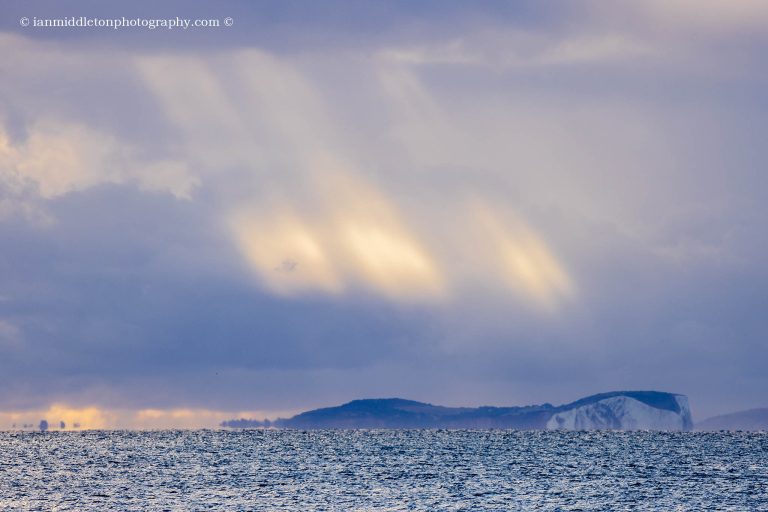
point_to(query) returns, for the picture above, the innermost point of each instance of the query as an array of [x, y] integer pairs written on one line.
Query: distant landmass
[[617, 410], [753, 419]]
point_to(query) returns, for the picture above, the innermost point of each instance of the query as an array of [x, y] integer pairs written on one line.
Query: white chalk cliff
[[623, 413]]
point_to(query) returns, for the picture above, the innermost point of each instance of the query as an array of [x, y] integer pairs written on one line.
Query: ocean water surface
[[428, 470]]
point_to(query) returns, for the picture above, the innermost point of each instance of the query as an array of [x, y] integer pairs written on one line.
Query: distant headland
[[617, 410]]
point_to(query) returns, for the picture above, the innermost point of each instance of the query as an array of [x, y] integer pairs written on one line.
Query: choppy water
[[382, 470]]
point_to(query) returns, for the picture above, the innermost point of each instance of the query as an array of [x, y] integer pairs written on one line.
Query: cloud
[[482, 204], [505, 50], [320, 212], [58, 159], [10, 336], [358, 239], [709, 16], [528, 264]]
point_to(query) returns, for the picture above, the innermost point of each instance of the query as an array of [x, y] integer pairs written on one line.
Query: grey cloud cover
[[558, 200]]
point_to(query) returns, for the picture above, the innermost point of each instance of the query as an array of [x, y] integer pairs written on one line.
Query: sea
[[387, 470]]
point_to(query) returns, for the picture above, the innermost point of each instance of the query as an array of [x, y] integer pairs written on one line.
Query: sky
[[463, 203]]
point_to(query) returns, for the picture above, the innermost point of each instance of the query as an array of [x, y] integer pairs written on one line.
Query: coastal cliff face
[[617, 410], [624, 413]]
